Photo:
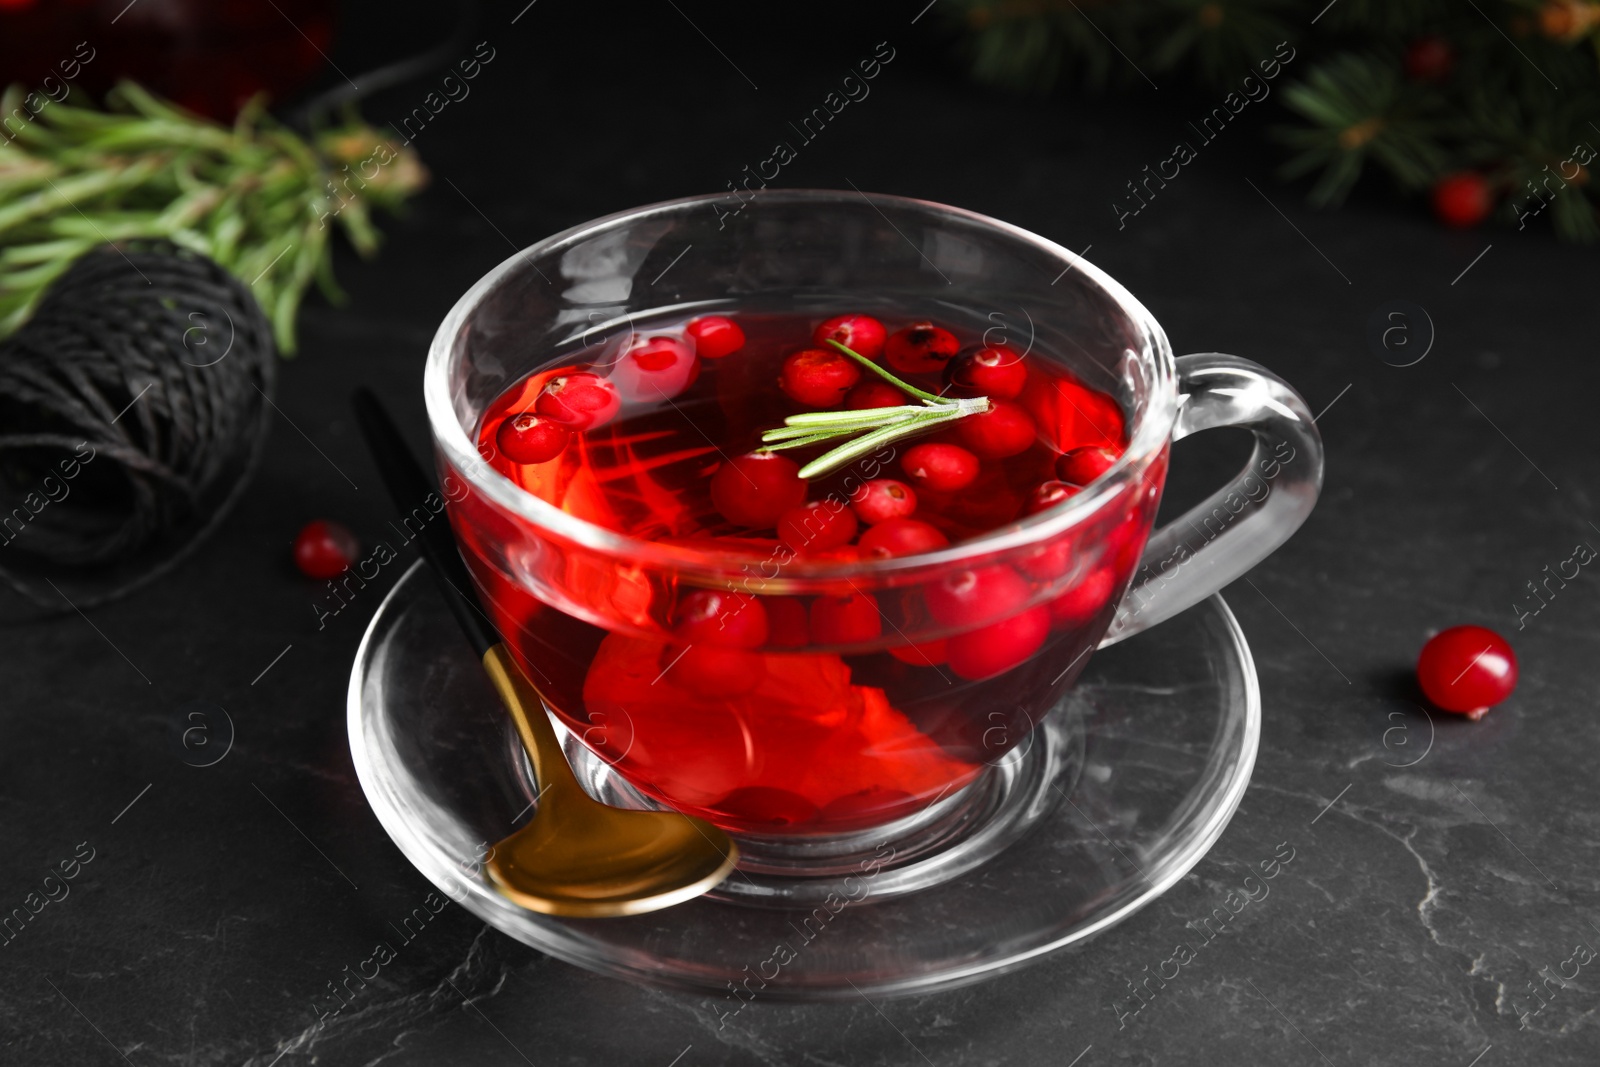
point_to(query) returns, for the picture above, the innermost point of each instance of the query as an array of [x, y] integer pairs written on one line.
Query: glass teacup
[[830, 742]]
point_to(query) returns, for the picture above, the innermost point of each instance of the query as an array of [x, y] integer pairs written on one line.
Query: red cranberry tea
[[772, 443]]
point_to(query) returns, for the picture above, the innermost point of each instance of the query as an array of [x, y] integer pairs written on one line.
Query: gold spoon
[[575, 857], [581, 858]]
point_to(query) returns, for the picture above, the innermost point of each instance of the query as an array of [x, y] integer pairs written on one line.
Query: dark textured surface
[[1420, 905]]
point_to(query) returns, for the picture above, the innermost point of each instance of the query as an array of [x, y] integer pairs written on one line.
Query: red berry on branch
[[883, 499], [993, 370], [324, 549], [530, 438], [875, 394], [818, 378], [714, 336], [921, 348], [1429, 59], [1462, 200], [845, 620], [942, 468], [817, 526], [1467, 669], [1083, 465], [757, 488], [901, 537], [581, 400], [861, 334], [1004, 430]]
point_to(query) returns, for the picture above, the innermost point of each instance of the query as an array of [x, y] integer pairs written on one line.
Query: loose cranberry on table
[[818, 377], [1003, 431], [999, 646], [1047, 495], [942, 468], [817, 526], [861, 334], [531, 438], [655, 368], [581, 400], [990, 370], [883, 499], [714, 617], [901, 537], [1467, 669], [921, 348], [755, 489], [875, 394], [1081, 466], [845, 620], [1462, 200], [714, 336], [324, 549]]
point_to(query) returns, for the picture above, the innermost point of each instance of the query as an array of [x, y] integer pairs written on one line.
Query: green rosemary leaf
[[886, 375]]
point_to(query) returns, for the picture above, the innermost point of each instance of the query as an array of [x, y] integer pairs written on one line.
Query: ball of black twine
[[133, 410]]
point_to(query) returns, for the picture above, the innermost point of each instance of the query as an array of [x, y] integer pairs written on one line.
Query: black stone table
[[1444, 886]]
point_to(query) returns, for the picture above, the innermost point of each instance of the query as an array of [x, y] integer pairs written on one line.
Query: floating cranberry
[[817, 526], [787, 626], [714, 336], [1049, 561], [818, 377], [921, 653], [581, 400], [1429, 59], [531, 438], [1047, 495], [883, 499], [845, 620], [714, 617], [1462, 200], [861, 334], [324, 549], [1083, 465], [921, 348], [875, 393], [1467, 669], [901, 537], [1003, 431], [757, 488], [942, 468], [712, 670], [1083, 601], [767, 805], [1000, 646], [655, 368], [990, 370], [980, 595]]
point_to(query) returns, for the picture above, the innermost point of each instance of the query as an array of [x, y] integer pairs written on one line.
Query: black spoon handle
[[410, 486]]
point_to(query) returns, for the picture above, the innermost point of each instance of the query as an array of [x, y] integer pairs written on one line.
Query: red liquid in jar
[[794, 714]]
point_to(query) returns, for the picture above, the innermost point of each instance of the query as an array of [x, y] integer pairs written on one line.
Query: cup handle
[[1242, 523]]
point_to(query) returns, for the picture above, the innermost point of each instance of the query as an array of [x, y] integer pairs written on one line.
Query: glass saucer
[[1160, 736]]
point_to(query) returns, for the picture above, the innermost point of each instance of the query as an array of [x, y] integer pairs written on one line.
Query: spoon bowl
[[580, 858]]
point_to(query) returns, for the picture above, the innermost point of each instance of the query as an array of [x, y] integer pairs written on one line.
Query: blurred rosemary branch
[[256, 197]]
